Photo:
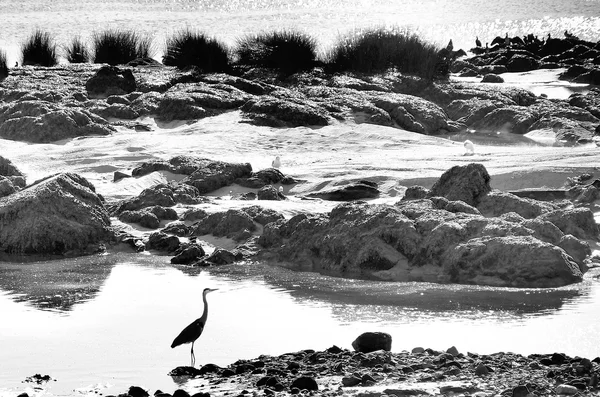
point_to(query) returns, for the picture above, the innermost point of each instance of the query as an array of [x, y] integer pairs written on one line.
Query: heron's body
[[194, 330]]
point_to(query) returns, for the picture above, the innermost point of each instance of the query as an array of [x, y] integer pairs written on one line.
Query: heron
[[194, 330]]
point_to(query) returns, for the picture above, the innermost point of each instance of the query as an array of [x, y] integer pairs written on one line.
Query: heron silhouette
[[194, 330]]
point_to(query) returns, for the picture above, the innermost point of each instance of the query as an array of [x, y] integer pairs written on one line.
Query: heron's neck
[[205, 311]]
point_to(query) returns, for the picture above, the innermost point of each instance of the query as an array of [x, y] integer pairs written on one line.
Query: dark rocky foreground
[[371, 370]]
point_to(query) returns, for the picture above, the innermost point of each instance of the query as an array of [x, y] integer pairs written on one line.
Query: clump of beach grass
[[380, 49], [287, 51], [189, 48], [3, 65], [77, 51], [39, 49], [118, 47]]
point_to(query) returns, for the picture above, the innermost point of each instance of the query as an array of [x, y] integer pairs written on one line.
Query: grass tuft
[[287, 51], [39, 49], [3, 65], [77, 52], [191, 48], [378, 50], [118, 47]]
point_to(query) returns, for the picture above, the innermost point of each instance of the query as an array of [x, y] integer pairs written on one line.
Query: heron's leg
[[193, 356]]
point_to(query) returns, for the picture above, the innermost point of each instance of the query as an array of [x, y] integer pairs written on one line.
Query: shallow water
[[105, 323]]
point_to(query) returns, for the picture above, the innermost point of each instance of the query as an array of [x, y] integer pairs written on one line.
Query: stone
[[453, 350], [466, 183], [181, 393], [284, 112], [492, 78], [136, 391], [231, 224], [270, 193], [188, 254], [162, 242], [118, 175], [496, 203], [41, 122], [220, 256], [520, 391], [305, 383], [566, 390], [353, 191], [372, 341], [522, 63], [350, 381], [268, 176], [60, 214], [579, 222], [110, 80]]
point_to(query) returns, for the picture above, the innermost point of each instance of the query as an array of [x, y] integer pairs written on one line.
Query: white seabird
[[469, 147], [276, 163]]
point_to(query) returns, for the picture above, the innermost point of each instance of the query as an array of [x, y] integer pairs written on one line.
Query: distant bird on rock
[[469, 147], [276, 163], [477, 41]]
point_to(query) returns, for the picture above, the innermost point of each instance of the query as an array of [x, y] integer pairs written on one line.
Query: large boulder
[[110, 80], [466, 183], [57, 215], [41, 121], [579, 222], [235, 224]]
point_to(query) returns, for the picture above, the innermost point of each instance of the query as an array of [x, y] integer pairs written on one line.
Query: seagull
[[276, 163], [477, 41], [469, 147]]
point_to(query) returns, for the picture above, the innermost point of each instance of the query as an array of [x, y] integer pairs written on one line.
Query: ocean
[[100, 324], [435, 20]]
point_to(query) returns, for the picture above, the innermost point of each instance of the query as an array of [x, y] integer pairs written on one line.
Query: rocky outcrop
[[40, 121], [110, 80], [262, 178], [163, 195], [415, 241], [235, 224], [61, 215], [203, 174], [148, 217]]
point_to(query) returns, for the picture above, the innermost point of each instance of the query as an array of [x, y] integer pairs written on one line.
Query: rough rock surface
[[353, 191], [110, 80], [466, 183], [57, 215], [203, 174], [40, 121], [372, 341]]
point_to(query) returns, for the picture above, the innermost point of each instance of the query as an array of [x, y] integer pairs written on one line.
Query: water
[[107, 322], [436, 20]]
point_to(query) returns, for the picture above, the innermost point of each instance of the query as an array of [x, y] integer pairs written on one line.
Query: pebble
[[567, 390]]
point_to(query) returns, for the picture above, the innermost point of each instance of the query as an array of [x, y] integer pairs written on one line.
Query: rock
[[118, 175], [8, 169], [188, 254], [162, 195], [566, 390], [466, 183], [496, 203], [162, 242], [481, 370], [492, 78], [180, 393], [522, 63], [148, 217], [270, 193], [372, 341], [232, 224], [57, 215], [453, 350], [284, 112], [305, 383], [353, 191], [179, 229], [521, 391], [41, 122], [415, 193], [268, 176], [110, 80], [350, 381], [220, 256], [135, 391], [413, 113], [532, 263], [263, 215], [579, 222], [203, 174]]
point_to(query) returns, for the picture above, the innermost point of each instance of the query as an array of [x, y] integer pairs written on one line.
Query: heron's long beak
[[212, 289]]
